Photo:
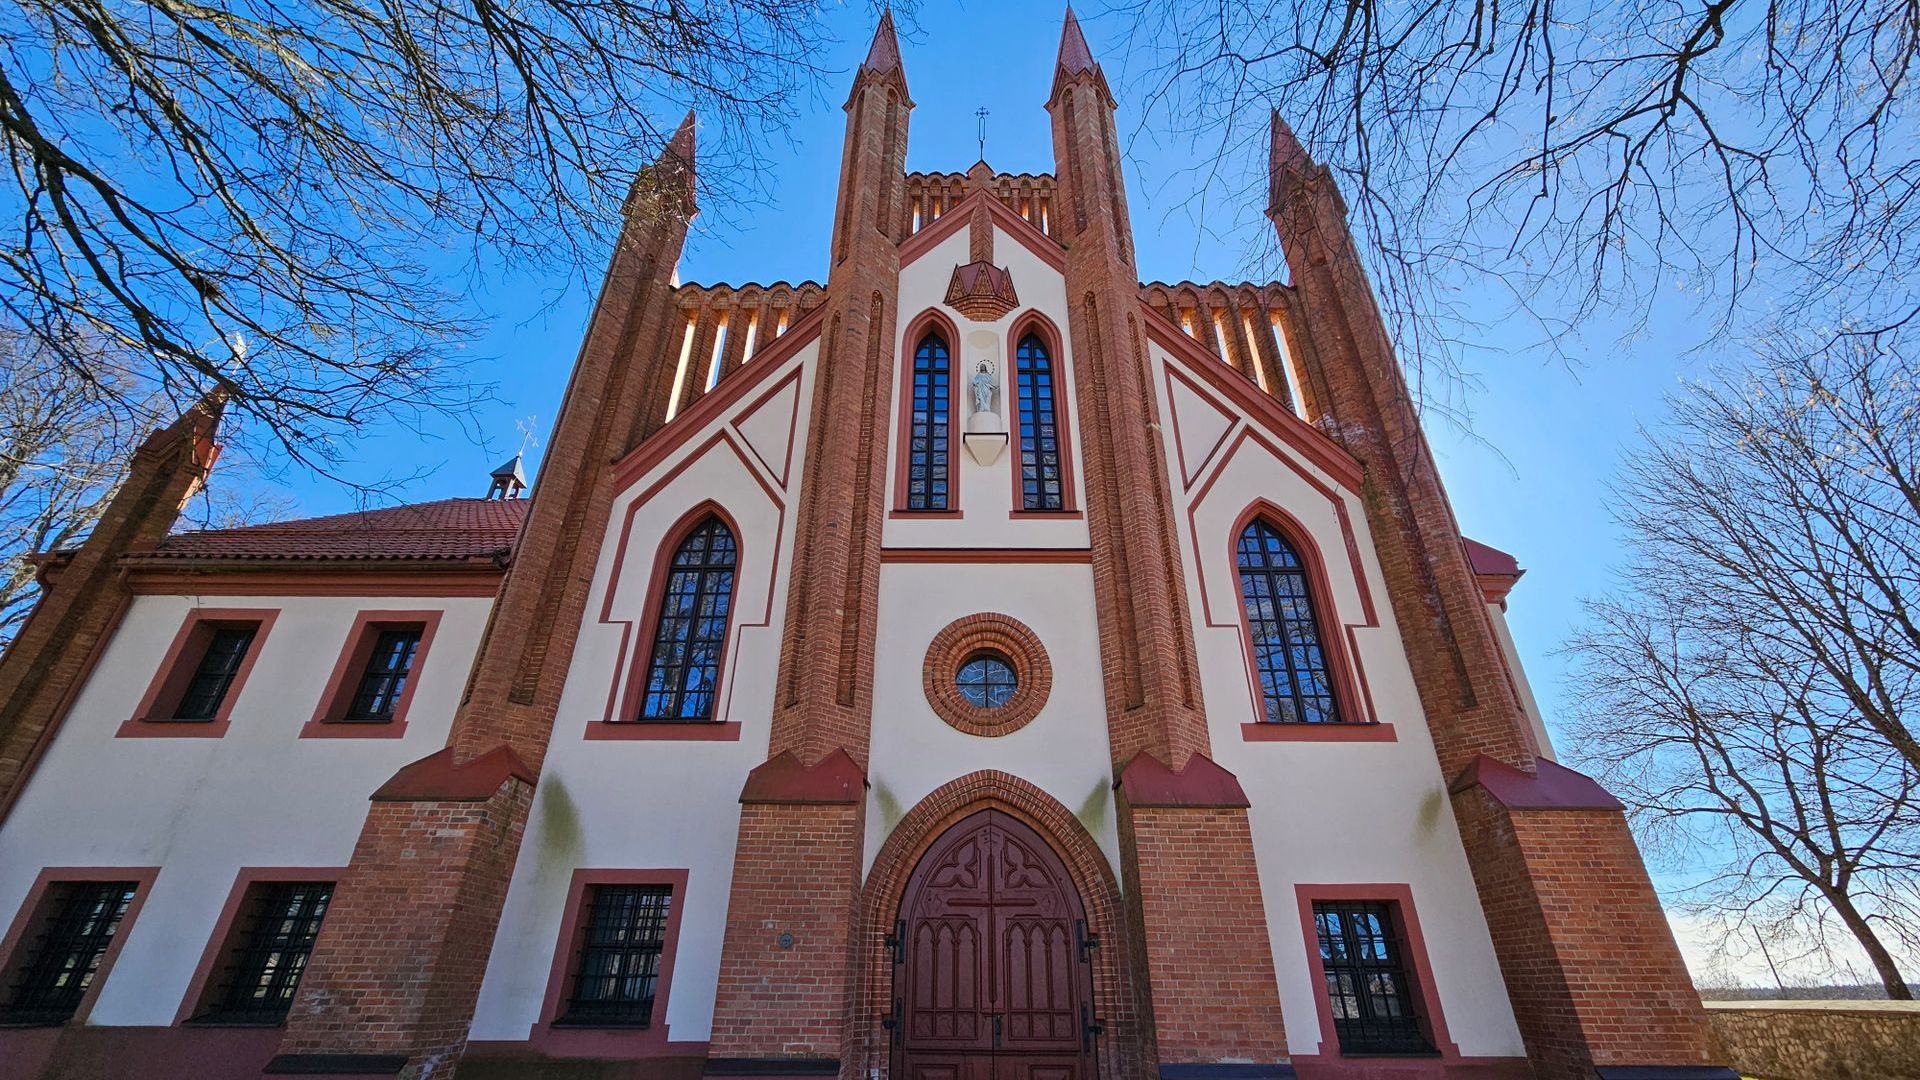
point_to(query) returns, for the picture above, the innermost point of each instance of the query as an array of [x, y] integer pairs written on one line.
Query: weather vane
[[982, 113]]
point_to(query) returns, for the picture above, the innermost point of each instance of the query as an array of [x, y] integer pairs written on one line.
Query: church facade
[[984, 666]]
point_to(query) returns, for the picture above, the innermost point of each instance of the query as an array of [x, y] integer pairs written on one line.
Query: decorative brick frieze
[[1006, 636], [1239, 324], [55, 650], [982, 292]]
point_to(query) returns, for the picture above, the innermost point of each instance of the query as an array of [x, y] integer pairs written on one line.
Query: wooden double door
[[991, 980]]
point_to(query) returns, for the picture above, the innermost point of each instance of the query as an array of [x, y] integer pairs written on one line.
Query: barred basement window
[[927, 457], [271, 946], [1373, 1010], [63, 951], [691, 629], [1295, 683], [385, 678], [617, 968], [213, 676], [1041, 476]]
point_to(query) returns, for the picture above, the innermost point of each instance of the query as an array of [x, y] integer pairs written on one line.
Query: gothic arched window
[[927, 437], [1042, 478], [690, 629], [1295, 680]]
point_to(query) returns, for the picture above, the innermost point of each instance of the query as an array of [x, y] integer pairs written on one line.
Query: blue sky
[[1529, 474]]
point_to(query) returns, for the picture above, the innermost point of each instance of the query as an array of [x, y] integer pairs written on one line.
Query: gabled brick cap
[[1147, 781], [836, 778], [438, 778], [1556, 787]]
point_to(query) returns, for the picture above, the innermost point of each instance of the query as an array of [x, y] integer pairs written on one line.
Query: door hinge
[[892, 1021], [1090, 1029], [1087, 941]]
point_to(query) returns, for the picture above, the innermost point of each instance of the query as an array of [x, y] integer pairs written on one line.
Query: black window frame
[[73, 927], [929, 443], [1380, 1010], [214, 672], [267, 953], [379, 680], [621, 924], [694, 612], [1290, 652], [1039, 418]]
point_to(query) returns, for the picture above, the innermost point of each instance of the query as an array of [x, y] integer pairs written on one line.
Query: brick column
[[391, 985], [1194, 929], [83, 598], [786, 960], [1595, 978]]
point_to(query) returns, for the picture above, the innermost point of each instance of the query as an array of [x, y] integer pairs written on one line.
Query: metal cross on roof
[[982, 113]]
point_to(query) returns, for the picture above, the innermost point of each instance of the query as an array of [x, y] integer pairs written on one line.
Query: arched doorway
[[991, 981]]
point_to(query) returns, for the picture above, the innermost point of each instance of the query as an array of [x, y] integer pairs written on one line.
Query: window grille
[[927, 458], [1041, 476], [213, 676], [617, 970], [691, 629], [1373, 1005], [987, 680], [65, 949], [385, 679], [1294, 679], [282, 921]]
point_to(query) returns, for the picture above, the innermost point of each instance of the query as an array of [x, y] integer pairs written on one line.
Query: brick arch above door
[[1115, 994]]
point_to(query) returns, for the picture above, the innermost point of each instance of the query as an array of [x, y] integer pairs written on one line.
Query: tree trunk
[[1889, 972]]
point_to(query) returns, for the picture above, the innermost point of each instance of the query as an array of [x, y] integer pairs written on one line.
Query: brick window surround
[[153, 718], [609, 1042], [1334, 644], [1413, 957], [225, 940], [930, 321], [987, 632], [634, 682], [34, 911], [329, 718], [1034, 323]]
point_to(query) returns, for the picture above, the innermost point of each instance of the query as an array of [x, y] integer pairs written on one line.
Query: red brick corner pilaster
[[85, 596], [785, 975], [1205, 946]]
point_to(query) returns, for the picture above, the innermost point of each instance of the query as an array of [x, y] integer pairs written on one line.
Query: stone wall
[[1820, 1040]]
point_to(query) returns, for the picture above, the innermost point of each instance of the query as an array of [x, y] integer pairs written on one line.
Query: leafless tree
[[281, 196], [1751, 687], [1585, 154]]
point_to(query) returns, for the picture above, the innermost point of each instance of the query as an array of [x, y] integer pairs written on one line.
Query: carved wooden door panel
[[991, 987]]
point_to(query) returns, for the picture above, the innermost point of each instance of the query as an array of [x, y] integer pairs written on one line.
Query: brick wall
[[1828, 1040]]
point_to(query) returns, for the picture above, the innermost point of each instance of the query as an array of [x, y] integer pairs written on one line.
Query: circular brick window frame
[[959, 642]]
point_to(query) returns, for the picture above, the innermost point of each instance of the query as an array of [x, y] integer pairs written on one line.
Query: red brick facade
[[1589, 960]]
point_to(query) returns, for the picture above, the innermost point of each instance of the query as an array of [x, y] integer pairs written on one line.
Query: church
[[983, 666]]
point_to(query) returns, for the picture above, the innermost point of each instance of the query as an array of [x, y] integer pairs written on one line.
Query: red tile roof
[[1490, 560], [451, 529]]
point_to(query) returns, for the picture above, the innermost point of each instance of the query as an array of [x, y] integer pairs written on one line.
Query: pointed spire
[[681, 145], [1075, 57], [509, 480], [195, 426], [884, 54], [1285, 153]]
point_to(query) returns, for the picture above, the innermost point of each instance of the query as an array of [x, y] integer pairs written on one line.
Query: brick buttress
[[391, 985], [1201, 948], [1596, 981], [786, 960], [84, 595]]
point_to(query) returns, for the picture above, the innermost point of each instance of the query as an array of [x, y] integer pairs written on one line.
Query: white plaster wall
[[1063, 751], [986, 491], [644, 804], [1497, 613], [201, 808], [1330, 812]]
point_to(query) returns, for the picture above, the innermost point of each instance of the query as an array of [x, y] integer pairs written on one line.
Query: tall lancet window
[[1041, 475], [927, 458], [1287, 650], [691, 629]]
